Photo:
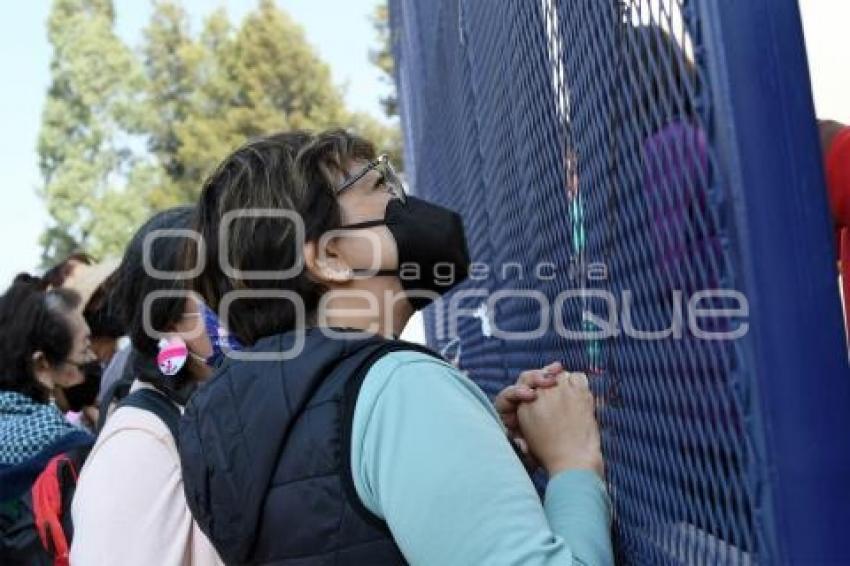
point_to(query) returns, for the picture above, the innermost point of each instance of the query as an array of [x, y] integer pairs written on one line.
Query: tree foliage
[[126, 133], [88, 121], [382, 57]]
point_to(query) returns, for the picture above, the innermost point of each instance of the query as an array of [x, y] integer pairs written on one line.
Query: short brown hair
[[292, 171]]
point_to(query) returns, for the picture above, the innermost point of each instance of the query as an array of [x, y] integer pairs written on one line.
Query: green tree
[[88, 121], [382, 57], [172, 62], [261, 78], [191, 139], [124, 134]]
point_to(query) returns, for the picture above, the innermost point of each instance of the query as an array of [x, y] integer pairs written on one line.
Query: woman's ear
[[325, 263], [42, 371]]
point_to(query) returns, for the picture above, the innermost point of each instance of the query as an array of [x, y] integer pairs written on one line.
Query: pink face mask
[[172, 355]]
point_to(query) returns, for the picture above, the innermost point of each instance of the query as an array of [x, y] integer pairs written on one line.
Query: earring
[[172, 355]]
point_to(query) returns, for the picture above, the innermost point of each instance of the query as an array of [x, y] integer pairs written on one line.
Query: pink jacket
[[129, 507]]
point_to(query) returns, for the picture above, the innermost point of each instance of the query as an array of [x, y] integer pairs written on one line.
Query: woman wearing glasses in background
[[327, 440], [44, 341]]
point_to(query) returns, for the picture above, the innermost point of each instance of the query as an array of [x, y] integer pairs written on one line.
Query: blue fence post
[[734, 451], [767, 135]]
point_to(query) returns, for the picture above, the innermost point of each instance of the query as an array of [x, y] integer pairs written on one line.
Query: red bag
[[49, 507]]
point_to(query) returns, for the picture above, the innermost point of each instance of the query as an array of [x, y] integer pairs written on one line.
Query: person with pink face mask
[[129, 506]]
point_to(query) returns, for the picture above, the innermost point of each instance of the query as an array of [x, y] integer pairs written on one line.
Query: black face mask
[[85, 393], [432, 251]]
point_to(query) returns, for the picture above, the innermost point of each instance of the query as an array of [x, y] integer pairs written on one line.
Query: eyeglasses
[[388, 177]]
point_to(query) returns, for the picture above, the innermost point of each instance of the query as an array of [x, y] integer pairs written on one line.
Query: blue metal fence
[[647, 150]]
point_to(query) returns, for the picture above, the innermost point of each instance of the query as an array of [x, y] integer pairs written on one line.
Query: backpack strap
[[157, 403]]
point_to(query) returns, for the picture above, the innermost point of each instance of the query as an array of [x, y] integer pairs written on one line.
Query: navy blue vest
[[265, 454]]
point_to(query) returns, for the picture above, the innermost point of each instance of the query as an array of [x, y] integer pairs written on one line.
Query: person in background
[[93, 283], [43, 345], [90, 280], [359, 448], [44, 341], [129, 507], [835, 144], [106, 329]]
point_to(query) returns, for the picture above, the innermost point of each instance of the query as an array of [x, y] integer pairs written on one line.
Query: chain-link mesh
[[577, 139]]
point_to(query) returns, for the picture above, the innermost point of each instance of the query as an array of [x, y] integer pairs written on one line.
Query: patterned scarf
[[27, 427]]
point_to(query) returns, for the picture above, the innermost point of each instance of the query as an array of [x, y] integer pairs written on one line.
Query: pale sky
[[341, 32], [826, 24], [339, 29]]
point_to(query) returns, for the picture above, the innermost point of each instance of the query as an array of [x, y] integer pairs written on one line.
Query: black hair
[[99, 315], [33, 320], [132, 283]]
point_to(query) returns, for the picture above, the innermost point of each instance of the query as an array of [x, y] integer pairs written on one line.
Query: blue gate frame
[[792, 373]]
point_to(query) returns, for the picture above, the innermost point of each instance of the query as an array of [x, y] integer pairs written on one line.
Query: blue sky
[[339, 30]]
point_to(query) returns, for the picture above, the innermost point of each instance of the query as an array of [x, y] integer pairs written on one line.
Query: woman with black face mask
[[327, 440], [44, 344]]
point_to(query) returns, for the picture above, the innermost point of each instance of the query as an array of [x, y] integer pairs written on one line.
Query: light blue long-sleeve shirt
[[430, 457]]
